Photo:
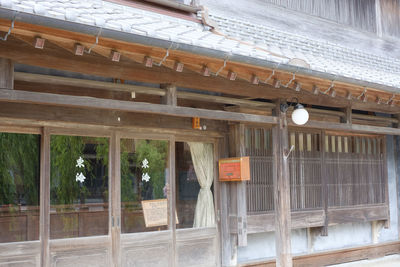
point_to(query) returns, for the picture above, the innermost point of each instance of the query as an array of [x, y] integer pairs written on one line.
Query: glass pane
[[19, 187], [188, 187], [78, 186], [144, 186]]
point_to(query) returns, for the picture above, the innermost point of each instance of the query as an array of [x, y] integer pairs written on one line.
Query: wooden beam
[[82, 83], [170, 97], [338, 256], [96, 103], [6, 73], [80, 118], [356, 128], [53, 57], [57, 80], [265, 222], [281, 181]]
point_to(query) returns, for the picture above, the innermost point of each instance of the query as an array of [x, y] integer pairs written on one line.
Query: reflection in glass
[[144, 185], [79, 186], [19, 187]]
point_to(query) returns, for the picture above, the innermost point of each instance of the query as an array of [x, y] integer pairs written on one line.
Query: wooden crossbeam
[[96, 103]]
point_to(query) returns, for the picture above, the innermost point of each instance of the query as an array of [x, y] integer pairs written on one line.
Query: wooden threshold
[[337, 256]]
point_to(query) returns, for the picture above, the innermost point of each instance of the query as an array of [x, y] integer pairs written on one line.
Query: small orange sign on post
[[234, 169]]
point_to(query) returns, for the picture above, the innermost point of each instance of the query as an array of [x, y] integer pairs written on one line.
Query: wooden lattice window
[[355, 170], [351, 168], [260, 191], [305, 170]]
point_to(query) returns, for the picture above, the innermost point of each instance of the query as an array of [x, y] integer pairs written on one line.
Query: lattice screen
[[353, 166]]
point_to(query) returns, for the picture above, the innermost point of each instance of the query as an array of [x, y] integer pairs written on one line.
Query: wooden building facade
[[110, 142]]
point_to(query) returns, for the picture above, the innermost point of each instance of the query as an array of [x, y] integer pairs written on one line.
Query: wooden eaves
[[60, 44], [308, 89]]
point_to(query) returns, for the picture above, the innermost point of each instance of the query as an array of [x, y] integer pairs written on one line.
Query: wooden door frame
[[114, 134]]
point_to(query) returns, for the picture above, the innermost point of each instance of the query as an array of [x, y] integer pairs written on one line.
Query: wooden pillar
[[224, 211], [45, 198], [170, 97], [6, 74], [172, 202], [241, 198], [325, 193], [281, 180], [347, 118], [115, 198]]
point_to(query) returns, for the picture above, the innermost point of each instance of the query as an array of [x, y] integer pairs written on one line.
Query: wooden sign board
[[234, 169], [155, 212]]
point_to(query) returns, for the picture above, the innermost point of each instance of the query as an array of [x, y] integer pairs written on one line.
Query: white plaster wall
[[262, 245], [343, 235]]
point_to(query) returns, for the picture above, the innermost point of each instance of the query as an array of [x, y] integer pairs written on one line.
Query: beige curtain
[[203, 162]]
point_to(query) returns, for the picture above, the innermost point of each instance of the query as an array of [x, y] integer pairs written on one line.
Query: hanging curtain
[[202, 157]]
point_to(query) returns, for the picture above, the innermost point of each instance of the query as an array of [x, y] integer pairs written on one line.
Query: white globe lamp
[[300, 115]]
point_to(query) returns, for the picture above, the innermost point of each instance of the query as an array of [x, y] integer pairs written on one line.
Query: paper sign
[[155, 212]]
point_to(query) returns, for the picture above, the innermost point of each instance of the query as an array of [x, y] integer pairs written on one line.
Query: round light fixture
[[300, 115]]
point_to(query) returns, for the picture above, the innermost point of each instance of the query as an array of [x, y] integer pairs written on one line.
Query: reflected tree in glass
[[134, 189], [19, 186], [76, 204]]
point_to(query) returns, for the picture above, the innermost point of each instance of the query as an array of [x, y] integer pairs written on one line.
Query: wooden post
[[241, 198], [324, 177], [45, 198], [115, 198], [347, 118], [6, 74], [172, 201], [224, 211], [170, 97], [281, 180]]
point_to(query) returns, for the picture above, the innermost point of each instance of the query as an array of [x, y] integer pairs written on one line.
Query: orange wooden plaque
[[234, 169]]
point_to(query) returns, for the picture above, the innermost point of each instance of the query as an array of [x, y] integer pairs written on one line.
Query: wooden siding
[[390, 17], [359, 14]]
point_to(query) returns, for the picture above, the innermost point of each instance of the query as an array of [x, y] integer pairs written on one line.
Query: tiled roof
[[238, 37]]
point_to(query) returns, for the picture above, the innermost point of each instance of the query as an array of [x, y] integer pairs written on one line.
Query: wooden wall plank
[[6, 73]]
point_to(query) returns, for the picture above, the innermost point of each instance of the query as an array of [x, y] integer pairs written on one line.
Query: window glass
[[144, 186], [194, 170], [19, 187], [78, 186]]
